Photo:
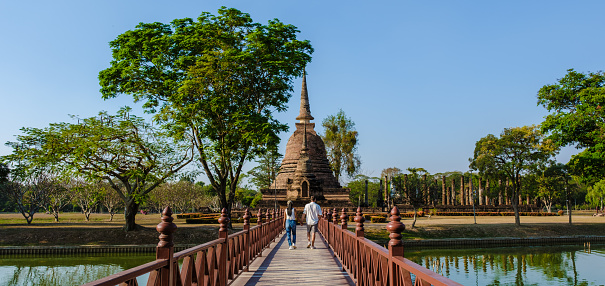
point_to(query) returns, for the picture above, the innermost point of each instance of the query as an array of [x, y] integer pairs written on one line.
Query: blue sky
[[422, 80]]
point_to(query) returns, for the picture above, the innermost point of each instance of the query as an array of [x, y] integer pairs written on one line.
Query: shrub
[[420, 213], [377, 219], [560, 212]]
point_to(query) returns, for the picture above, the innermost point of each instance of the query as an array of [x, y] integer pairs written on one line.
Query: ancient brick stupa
[[305, 170]]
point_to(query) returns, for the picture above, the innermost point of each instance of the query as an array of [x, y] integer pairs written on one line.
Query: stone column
[[453, 194], [480, 193], [500, 188], [462, 196], [443, 191]]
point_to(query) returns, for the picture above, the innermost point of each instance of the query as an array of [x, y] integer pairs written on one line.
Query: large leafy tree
[[341, 142], [518, 151], [577, 117], [217, 80], [112, 148]]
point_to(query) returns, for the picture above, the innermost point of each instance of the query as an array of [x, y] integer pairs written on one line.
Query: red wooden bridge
[[259, 256]]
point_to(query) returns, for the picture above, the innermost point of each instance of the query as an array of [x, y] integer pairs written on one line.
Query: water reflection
[[544, 265], [53, 270]]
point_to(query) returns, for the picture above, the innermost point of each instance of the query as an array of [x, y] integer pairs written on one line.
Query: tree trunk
[[56, 215], [569, 210], [414, 222], [130, 212], [516, 188], [548, 206]]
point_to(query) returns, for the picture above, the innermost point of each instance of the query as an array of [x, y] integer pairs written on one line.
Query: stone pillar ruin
[[500, 192], [453, 193], [481, 202], [443, 191], [462, 196]]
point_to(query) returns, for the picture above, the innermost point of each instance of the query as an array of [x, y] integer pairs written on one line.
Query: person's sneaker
[[291, 247], [308, 245], [312, 247]]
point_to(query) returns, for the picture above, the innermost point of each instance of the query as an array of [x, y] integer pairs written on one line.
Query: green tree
[[110, 199], [596, 193], [265, 172], [412, 188], [5, 203], [113, 148], [358, 186], [577, 117], [29, 192], [341, 141], [216, 80], [551, 184], [86, 195], [58, 197], [518, 151]]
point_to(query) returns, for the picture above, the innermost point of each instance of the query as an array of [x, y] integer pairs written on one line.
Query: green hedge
[[215, 221], [494, 214], [377, 219]]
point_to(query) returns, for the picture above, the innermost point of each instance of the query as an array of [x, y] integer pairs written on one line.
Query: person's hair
[[289, 210], [312, 198]]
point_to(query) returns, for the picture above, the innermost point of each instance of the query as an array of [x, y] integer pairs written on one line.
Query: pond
[[540, 265], [51, 270]]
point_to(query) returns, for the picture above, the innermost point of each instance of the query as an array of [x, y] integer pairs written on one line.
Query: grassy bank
[[74, 230]]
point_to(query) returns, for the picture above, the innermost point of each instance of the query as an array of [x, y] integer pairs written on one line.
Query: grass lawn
[[74, 230], [435, 227]]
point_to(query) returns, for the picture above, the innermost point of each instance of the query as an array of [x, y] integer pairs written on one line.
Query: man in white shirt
[[312, 212]]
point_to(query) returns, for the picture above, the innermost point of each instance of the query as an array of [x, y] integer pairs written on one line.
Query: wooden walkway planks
[[301, 266]]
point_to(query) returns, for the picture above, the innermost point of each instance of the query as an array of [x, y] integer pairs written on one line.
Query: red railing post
[[260, 233], [274, 234], [165, 250], [269, 229], [327, 224], [343, 219], [247, 256], [359, 233], [335, 225], [395, 227], [222, 261]]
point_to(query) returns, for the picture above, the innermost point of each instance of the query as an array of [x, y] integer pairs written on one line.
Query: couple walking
[[311, 212]]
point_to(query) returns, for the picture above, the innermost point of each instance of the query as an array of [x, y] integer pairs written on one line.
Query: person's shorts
[[311, 227]]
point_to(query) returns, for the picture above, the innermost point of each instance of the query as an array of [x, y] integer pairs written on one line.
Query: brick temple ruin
[[305, 170]]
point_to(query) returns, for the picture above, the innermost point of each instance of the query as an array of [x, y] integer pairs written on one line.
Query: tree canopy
[[518, 151], [341, 142], [119, 147], [216, 80], [577, 117]]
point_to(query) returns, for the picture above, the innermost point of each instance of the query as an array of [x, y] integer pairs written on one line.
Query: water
[[51, 270], [540, 265]]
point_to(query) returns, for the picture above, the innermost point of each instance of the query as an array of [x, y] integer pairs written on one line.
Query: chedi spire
[[305, 110]]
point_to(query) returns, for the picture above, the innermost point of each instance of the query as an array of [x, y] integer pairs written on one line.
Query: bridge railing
[[213, 263], [369, 263]]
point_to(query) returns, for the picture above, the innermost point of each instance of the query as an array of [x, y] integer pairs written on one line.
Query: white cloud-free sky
[[422, 80]]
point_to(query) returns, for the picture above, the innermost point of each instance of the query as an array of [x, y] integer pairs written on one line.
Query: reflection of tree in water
[[555, 263], [60, 275], [64, 269]]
